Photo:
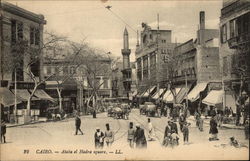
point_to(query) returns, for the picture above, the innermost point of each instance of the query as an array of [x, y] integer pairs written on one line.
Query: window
[[223, 33], [105, 83], [139, 63], [163, 41], [20, 31], [37, 36], [72, 70], [65, 70], [145, 62], [13, 31], [225, 66], [32, 35], [48, 70], [35, 68], [233, 28]]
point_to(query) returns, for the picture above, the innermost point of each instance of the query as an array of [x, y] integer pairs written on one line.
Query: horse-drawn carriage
[[149, 109], [119, 108]]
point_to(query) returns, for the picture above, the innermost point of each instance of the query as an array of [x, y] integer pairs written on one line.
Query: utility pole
[[15, 107], [186, 89]]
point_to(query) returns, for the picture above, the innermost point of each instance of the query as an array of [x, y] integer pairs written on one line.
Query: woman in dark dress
[[213, 129]]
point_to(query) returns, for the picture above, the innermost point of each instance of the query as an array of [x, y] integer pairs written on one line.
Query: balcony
[[179, 79], [239, 40], [232, 43], [234, 8]]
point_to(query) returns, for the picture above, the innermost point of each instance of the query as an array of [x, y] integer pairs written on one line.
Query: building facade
[[20, 29], [75, 84], [197, 67], [235, 49], [151, 57]]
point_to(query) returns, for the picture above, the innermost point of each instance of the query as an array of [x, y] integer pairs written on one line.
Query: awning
[[230, 102], [182, 94], [159, 93], [52, 84], [195, 93], [147, 92], [24, 94], [7, 98], [168, 96], [41, 94], [215, 97]]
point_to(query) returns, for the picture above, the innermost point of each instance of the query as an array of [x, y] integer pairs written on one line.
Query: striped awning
[[195, 93], [7, 98]]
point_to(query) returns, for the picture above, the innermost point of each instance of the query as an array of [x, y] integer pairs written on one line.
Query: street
[[59, 136]]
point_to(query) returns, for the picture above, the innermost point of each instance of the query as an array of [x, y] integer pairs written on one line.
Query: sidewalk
[[228, 126], [9, 125]]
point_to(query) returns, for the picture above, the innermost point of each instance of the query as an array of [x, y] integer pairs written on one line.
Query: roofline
[[8, 7], [185, 43]]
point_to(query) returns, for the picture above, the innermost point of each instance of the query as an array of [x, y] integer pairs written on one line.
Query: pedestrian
[[167, 134], [213, 129], [185, 131], [213, 112], [151, 131], [131, 134], [201, 121], [174, 138], [219, 119], [206, 112], [94, 113], [109, 136], [78, 124], [174, 126], [230, 112], [246, 129], [3, 132], [181, 121], [140, 139], [99, 138]]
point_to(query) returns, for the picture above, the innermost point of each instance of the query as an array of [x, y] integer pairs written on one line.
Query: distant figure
[[201, 121], [173, 126], [174, 138], [234, 142], [167, 133], [109, 136], [246, 129], [213, 129], [78, 124], [206, 112], [151, 131], [185, 131], [99, 138], [3, 132], [140, 139], [181, 121], [131, 133], [94, 113]]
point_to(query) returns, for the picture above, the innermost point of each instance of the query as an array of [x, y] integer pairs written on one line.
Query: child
[[174, 138]]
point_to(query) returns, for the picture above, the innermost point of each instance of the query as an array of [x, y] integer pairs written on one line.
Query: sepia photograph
[[124, 79]]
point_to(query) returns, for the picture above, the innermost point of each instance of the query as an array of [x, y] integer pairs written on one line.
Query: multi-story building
[[20, 28], [235, 49], [152, 56], [196, 65]]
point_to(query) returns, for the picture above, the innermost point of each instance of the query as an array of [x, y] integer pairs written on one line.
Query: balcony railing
[[183, 79], [241, 39], [234, 7]]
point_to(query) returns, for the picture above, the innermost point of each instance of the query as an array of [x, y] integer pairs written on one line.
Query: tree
[[21, 50], [93, 65], [69, 50]]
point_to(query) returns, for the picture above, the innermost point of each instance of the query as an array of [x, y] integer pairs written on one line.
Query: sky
[[103, 29]]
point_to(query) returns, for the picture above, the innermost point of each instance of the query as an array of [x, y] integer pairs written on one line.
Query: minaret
[[126, 51], [126, 71]]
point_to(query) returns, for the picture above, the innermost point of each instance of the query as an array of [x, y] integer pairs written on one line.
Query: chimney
[[202, 20]]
